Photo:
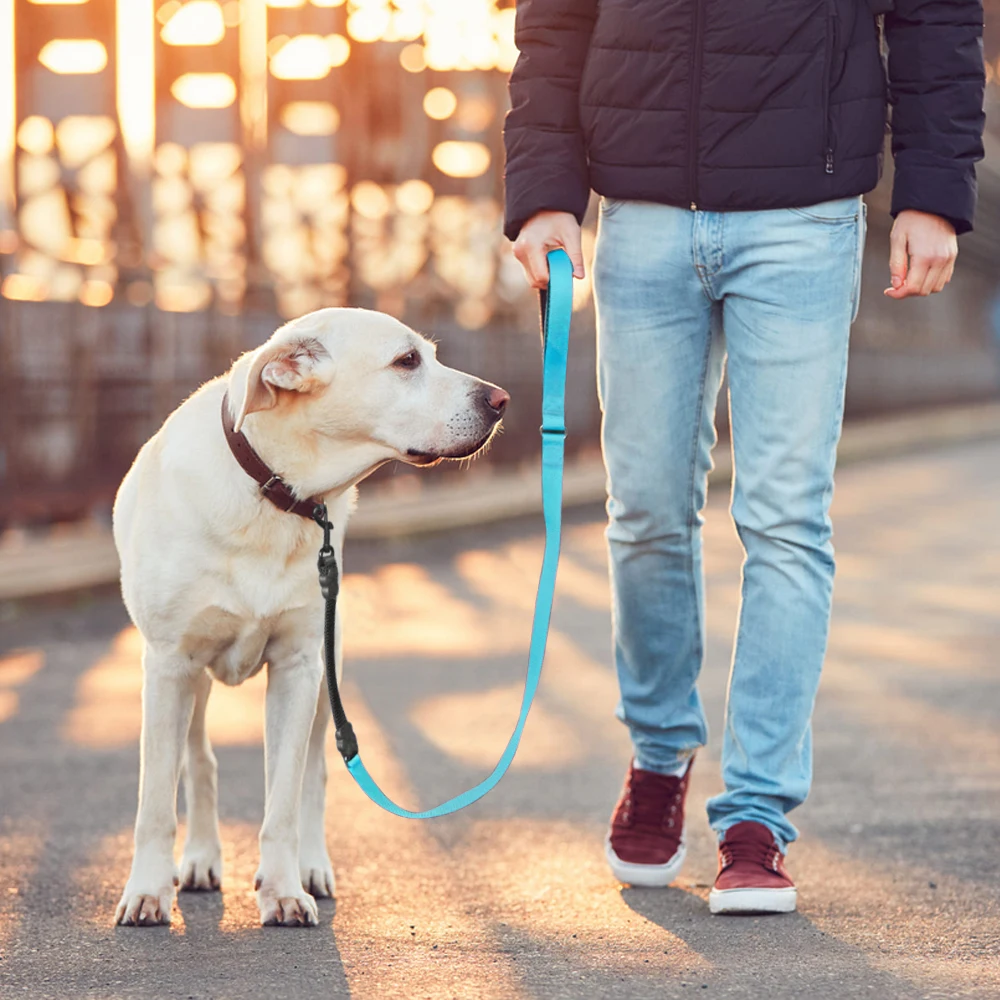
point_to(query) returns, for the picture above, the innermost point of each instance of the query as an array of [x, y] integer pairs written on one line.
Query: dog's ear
[[293, 366]]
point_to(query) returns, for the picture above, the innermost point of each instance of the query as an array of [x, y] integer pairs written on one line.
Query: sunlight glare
[[204, 90], [19, 666], [340, 49], [310, 118], [83, 251], [472, 727], [414, 197], [36, 135], [370, 200], [304, 57], [23, 288], [368, 24], [135, 80], [73, 56], [199, 22], [168, 10], [407, 25], [81, 137], [96, 293], [461, 159], [182, 293], [440, 103], [412, 58], [253, 53]]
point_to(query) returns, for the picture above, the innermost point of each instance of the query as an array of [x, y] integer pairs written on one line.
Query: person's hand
[[922, 252], [543, 232]]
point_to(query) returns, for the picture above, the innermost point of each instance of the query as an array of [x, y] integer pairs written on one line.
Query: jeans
[[677, 292]]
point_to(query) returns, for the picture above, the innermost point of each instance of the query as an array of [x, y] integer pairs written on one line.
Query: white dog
[[220, 581]]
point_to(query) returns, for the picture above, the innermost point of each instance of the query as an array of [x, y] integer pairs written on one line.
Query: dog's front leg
[[314, 860], [167, 702], [292, 682]]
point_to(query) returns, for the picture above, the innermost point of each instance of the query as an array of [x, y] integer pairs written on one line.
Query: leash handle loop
[[557, 310]]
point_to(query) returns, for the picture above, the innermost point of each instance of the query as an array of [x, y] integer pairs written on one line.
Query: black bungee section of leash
[[329, 584]]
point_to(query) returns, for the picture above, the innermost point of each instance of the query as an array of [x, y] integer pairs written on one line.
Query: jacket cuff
[[546, 171], [925, 184], [547, 196]]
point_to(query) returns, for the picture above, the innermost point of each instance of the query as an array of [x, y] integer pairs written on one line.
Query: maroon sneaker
[[752, 876], [645, 845]]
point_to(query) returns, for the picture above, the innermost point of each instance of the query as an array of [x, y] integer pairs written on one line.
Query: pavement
[[897, 865]]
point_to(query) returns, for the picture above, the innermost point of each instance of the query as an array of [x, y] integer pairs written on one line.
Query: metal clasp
[[329, 578]]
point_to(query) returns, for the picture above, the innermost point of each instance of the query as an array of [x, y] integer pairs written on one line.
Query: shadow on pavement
[[781, 955]]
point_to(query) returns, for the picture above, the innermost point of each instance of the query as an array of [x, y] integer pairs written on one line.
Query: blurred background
[[178, 178]]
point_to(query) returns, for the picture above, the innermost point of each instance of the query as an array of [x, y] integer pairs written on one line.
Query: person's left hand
[[922, 252]]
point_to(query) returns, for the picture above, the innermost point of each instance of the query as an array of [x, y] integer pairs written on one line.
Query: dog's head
[[362, 380]]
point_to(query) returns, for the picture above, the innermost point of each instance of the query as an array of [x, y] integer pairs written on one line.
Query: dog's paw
[[286, 909], [201, 868], [145, 908], [317, 876]]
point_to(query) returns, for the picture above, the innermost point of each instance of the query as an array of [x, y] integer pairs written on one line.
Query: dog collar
[[272, 486]]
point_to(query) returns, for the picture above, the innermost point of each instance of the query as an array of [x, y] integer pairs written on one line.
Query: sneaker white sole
[[722, 901], [645, 876]]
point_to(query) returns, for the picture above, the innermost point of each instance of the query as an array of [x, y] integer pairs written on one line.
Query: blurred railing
[[196, 172]]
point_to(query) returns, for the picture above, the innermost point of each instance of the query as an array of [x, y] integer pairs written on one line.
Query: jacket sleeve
[[546, 158], [936, 84]]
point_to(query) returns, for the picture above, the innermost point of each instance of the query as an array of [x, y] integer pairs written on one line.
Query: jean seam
[[859, 250], [692, 513], [830, 220], [700, 269]]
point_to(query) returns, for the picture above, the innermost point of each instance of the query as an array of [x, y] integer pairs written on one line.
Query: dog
[[220, 581]]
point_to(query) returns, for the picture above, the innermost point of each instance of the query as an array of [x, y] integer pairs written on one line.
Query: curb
[[72, 559]]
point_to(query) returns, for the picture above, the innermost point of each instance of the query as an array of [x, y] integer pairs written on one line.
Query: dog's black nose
[[496, 400]]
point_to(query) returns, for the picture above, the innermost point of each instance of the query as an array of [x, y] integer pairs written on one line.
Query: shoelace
[[755, 852], [654, 804]]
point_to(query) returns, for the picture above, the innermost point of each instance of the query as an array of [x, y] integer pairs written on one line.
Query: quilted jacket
[[743, 104]]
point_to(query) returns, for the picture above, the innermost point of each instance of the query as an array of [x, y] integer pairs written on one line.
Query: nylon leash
[[557, 307]]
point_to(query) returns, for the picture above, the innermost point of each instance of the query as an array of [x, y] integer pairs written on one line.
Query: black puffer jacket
[[742, 104]]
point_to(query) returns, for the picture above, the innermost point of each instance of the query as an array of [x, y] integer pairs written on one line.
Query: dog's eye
[[408, 361]]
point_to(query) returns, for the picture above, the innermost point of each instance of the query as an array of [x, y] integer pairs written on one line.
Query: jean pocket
[[837, 211], [859, 260], [609, 206]]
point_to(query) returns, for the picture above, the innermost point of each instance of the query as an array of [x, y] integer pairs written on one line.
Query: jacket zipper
[[830, 54], [697, 28]]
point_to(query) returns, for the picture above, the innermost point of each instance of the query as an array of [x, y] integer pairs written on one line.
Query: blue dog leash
[[557, 307]]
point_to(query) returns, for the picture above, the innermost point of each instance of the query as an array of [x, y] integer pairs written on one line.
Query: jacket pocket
[[829, 65]]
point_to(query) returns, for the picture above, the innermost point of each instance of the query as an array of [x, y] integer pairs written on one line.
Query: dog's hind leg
[[314, 860], [201, 865], [168, 695]]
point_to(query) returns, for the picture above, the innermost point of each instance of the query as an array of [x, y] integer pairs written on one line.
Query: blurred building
[[178, 177]]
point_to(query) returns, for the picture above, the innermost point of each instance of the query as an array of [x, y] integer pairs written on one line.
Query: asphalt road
[[897, 864]]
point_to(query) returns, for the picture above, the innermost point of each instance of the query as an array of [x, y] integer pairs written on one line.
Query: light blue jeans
[[678, 292]]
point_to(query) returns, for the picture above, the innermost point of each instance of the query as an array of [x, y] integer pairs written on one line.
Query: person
[[730, 142]]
